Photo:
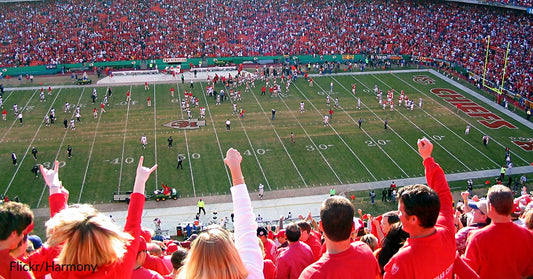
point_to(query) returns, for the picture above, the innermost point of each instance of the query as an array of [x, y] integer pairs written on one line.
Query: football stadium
[[270, 122]]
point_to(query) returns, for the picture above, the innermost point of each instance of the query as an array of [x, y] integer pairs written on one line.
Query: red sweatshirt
[[431, 256]]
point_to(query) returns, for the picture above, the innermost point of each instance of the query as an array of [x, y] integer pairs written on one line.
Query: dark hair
[[14, 216], [304, 226], [177, 257], [292, 232], [392, 217], [422, 202], [501, 199], [336, 215], [392, 242]]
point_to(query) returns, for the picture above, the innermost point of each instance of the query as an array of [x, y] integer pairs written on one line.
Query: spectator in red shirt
[[501, 249], [427, 215], [296, 257], [268, 244], [310, 239], [16, 220], [343, 258]]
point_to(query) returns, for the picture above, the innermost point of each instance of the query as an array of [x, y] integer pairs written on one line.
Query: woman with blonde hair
[[213, 254], [84, 243]]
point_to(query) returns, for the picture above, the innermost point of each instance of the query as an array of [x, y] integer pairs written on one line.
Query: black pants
[[200, 209]]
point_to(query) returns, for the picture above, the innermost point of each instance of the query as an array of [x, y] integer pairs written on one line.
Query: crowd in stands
[[426, 238], [63, 32]]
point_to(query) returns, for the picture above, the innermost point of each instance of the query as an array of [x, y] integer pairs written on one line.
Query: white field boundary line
[[186, 140], [309, 136], [442, 124], [364, 131], [29, 146], [89, 158], [516, 155], [60, 145], [381, 119], [216, 135], [424, 132], [251, 146], [124, 142], [280, 141], [154, 103], [15, 121]]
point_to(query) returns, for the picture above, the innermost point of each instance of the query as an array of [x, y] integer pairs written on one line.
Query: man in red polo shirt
[[343, 258], [427, 215], [293, 259], [503, 248]]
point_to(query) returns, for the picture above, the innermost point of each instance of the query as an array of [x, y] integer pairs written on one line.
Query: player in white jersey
[[144, 141], [302, 107]]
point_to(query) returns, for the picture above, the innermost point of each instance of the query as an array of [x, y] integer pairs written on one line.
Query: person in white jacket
[[213, 254]]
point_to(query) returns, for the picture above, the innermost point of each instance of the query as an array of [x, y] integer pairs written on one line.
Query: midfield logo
[[185, 124]]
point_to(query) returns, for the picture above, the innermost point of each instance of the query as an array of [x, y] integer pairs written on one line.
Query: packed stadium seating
[[61, 32]]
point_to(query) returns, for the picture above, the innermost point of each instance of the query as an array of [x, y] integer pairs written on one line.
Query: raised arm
[[58, 195], [133, 220], [437, 181], [245, 225]]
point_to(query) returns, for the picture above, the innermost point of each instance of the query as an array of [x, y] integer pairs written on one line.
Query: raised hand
[[425, 148], [51, 176], [143, 173]]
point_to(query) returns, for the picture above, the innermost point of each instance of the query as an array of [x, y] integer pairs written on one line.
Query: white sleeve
[[246, 232]]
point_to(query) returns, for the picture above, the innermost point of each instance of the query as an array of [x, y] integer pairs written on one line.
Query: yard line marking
[[255, 155], [187, 144], [155, 135], [307, 134], [346, 144], [424, 132], [381, 119], [216, 134], [364, 131], [29, 146], [446, 127], [471, 125], [89, 158], [124, 143], [62, 141], [279, 138], [250, 143]]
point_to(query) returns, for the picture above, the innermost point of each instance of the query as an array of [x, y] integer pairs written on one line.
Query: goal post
[[496, 89]]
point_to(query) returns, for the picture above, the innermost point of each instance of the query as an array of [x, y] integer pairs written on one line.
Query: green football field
[[106, 149]]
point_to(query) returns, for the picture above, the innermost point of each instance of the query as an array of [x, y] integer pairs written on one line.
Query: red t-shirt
[[356, 262], [501, 250], [11, 268], [269, 269], [293, 260]]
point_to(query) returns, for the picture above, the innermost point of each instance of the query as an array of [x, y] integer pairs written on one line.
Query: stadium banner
[[174, 60], [188, 124]]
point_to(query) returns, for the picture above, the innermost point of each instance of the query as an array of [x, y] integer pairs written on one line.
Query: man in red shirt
[[296, 257], [343, 258], [310, 239], [17, 222], [427, 215], [270, 246], [501, 249]]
